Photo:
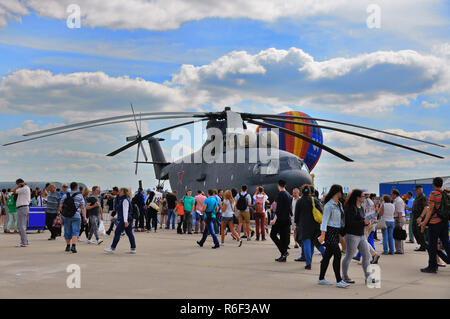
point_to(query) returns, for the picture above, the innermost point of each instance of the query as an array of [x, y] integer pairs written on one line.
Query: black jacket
[[354, 221], [307, 227], [284, 210]]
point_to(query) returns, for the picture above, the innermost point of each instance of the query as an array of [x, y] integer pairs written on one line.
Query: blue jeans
[[209, 229], [388, 238], [172, 216], [71, 227], [308, 249], [118, 232]]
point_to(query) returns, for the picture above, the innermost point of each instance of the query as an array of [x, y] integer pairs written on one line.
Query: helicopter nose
[[296, 178]]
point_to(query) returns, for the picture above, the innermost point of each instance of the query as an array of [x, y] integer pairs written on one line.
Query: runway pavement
[[168, 265]]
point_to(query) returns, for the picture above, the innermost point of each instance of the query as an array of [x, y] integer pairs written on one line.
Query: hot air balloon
[[309, 153]]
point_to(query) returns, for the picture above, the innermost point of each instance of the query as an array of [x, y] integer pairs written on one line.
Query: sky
[[384, 66]]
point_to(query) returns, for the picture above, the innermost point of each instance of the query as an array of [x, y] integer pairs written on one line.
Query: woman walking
[[125, 219], [354, 233], [307, 228], [228, 208], [387, 210], [332, 222]]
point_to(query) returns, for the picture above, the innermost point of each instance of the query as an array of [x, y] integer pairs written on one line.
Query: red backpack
[[259, 204]]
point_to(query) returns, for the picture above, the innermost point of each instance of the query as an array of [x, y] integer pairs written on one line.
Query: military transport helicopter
[[191, 173]]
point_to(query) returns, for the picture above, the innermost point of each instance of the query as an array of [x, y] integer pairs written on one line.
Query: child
[[180, 213]]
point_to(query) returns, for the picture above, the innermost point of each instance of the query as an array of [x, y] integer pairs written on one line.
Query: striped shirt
[[436, 198], [53, 201], [79, 202]]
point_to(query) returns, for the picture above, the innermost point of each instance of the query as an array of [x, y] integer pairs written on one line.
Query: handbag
[[381, 225], [399, 233], [316, 213], [57, 223]]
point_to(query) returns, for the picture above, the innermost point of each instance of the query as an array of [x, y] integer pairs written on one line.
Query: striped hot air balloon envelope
[[309, 153]]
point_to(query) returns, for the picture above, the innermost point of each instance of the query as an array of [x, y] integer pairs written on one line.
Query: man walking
[[94, 214], [171, 204], [410, 201], [189, 204], [71, 208], [281, 222], [243, 202], [23, 209], [51, 210], [399, 217], [437, 227], [418, 208], [210, 209]]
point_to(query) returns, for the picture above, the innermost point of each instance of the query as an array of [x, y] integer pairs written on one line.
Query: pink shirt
[[199, 202]]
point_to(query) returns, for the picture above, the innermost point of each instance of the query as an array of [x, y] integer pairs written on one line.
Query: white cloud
[[170, 14], [429, 105], [374, 81], [11, 10]]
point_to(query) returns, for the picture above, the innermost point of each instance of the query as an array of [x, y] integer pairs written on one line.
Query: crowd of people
[[336, 225]]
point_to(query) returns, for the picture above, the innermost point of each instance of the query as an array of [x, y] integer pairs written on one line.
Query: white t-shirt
[[399, 206], [24, 196], [229, 211], [388, 214]]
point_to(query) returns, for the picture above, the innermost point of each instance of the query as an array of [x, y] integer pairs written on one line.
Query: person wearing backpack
[[72, 208], [260, 201], [124, 222], [243, 202], [436, 218]]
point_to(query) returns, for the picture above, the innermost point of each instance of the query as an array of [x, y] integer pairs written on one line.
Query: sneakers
[[248, 239], [239, 243], [21, 245], [201, 245], [89, 241], [420, 249], [109, 250], [99, 241], [429, 270], [220, 244], [215, 247], [342, 284], [324, 282], [349, 281], [132, 251]]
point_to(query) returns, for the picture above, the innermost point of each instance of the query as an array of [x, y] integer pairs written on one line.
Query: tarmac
[[168, 265]]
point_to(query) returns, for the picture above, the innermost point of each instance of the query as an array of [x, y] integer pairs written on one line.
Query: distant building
[[404, 186], [33, 185]]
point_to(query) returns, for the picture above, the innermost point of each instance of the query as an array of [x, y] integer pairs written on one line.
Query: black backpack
[[242, 203], [135, 211], [444, 210], [69, 208]]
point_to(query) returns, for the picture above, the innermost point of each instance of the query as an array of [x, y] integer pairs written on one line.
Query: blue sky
[[327, 63]]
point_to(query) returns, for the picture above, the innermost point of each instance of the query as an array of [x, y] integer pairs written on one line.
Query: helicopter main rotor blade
[[354, 133], [106, 119], [137, 159], [258, 116], [307, 139], [143, 151], [131, 144], [94, 125], [135, 121]]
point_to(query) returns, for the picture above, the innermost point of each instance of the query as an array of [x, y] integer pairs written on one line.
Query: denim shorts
[[227, 219], [71, 227]]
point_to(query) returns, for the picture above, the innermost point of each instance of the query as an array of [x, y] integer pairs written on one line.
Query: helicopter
[[227, 134]]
